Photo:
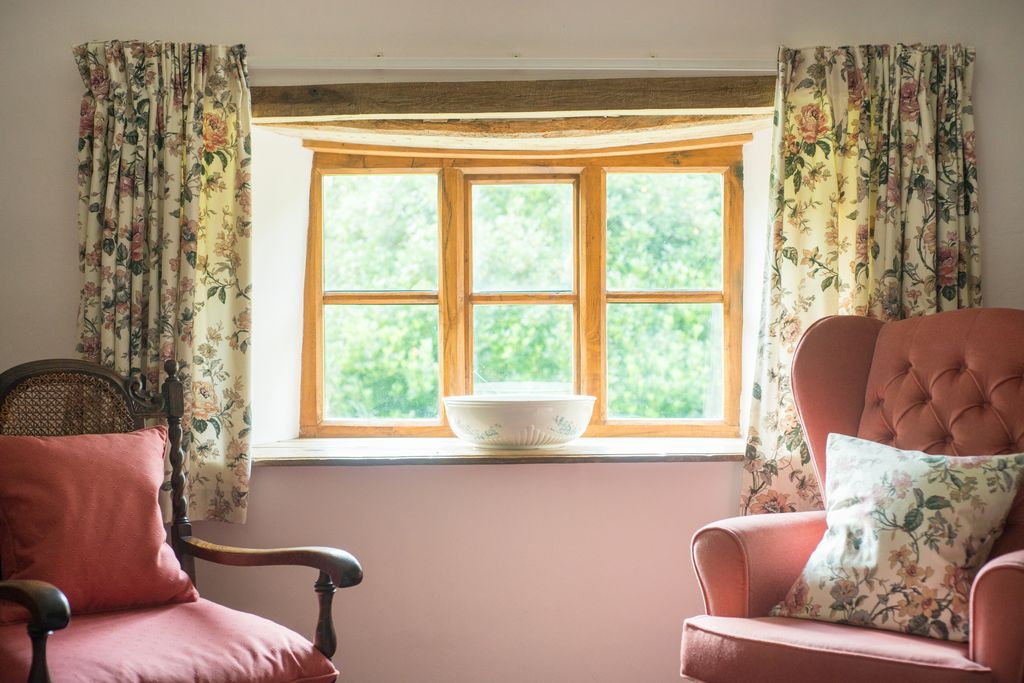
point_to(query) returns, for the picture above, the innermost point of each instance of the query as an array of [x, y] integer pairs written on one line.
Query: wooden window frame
[[457, 171]]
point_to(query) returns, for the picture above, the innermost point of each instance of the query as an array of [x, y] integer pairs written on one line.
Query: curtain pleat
[[164, 229], [875, 212]]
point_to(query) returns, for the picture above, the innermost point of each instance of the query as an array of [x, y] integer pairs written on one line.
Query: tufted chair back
[[950, 384]]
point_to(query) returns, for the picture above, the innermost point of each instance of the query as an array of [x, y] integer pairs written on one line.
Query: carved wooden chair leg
[[326, 640], [39, 672]]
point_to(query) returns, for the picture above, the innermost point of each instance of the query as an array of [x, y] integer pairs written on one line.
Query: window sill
[[450, 451]]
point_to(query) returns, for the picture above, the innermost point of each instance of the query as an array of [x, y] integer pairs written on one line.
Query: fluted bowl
[[519, 421]]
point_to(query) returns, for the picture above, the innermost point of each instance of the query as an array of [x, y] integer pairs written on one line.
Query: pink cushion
[[197, 642], [81, 512], [776, 649]]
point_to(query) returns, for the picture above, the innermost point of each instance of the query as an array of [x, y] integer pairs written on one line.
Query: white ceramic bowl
[[519, 421]]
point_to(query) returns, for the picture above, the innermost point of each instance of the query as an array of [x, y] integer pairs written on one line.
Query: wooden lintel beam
[[509, 99], [721, 141]]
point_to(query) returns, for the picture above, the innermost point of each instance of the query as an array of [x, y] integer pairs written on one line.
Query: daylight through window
[[617, 275]]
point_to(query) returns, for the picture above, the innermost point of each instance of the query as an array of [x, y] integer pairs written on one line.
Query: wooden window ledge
[[450, 451]]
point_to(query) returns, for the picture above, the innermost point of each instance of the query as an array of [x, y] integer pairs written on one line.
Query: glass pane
[[380, 232], [522, 349], [664, 231], [522, 237], [380, 361], [665, 360]]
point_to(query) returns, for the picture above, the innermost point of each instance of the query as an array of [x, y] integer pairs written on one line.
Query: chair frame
[[48, 608]]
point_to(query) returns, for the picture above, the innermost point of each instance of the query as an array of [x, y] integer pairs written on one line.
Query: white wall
[[281, 171], [491, 573]]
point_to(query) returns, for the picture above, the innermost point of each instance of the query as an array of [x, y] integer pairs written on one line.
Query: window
[[616, 274]]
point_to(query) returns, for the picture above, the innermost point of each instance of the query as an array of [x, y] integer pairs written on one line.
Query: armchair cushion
[[781, 650], [907, 533], [81, 512], [170, 644]]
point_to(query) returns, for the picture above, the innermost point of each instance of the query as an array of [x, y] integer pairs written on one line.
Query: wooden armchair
[[68, 397]]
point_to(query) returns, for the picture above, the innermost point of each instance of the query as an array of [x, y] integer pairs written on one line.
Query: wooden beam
[[624, 151], [571, 132], [513, 99], [514, 129], [717, 159]]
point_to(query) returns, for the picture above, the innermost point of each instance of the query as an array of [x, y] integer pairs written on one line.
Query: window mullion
[[732, 286], [311, 395], [592, 293], [452, 293]]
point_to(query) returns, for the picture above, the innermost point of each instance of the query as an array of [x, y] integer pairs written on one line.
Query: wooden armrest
[[48, 611], [343, 569], [46, 604], [337, 568]]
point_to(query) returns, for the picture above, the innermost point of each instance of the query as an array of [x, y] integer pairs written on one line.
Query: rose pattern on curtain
[[875, 212], [164, 227]]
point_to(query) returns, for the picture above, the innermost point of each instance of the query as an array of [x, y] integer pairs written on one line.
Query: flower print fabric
[[907, 533]]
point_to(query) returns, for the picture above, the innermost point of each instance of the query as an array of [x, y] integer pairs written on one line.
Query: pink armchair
[[951, 383]]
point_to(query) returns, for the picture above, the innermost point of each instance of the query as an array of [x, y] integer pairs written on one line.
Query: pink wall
[[496, 573], [478, 573], [41, 90], [530, 585]]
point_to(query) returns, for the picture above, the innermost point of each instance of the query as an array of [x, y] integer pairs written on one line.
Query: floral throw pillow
[[907, 532]]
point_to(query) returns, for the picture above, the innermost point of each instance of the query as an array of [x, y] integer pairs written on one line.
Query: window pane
[[380, 361], [665, 360], [522, 349], [380, 232], [522, 237], [664, 231]]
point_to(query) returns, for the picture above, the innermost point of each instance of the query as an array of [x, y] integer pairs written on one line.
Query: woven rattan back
[[65, 403]]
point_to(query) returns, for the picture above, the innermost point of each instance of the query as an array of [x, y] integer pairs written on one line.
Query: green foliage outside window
[[664, 232]]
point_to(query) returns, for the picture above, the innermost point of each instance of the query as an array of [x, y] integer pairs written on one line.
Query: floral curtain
[[874, 185], [164, 227]]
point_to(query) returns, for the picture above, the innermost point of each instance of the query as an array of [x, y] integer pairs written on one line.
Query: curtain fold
[[164, 227], [875, 212]]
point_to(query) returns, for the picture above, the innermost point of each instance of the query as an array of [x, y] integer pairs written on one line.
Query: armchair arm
[[48, 611], [337, 568], [340, 566], [997, 625], [47, 607], [745, 565]]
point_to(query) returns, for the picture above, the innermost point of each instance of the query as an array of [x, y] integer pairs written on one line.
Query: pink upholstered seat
[[951, 383], [170, 644], [770, 649]]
